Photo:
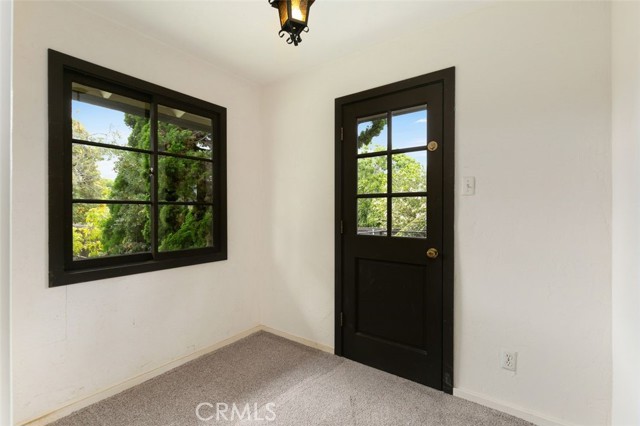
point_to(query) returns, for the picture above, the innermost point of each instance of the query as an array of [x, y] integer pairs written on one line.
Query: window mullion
[[154, 178]]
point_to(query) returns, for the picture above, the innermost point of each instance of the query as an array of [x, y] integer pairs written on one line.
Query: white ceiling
[[241, 35]]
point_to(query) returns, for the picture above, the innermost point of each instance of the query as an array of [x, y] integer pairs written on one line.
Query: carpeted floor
[[293, 383]]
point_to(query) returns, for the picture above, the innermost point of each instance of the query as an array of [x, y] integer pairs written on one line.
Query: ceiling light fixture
[[294, 15]]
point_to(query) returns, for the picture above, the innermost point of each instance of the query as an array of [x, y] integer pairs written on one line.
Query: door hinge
[[341, 134], [341, 227], [341, 319]]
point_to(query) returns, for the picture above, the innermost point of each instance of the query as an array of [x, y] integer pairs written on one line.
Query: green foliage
[[370, 132], [85, 176], [87, 236], [184, 227], [185, 141], [140, 131], [184, 180], [128, 229], [409, 216], [117, 229], [409, 175], [372, 213], [372, 175], [88, 219]]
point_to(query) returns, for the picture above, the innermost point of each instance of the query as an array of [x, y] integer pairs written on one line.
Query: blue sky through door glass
[[409, 128]]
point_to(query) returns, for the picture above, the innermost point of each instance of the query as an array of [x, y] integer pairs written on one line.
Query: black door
[[394, 210]]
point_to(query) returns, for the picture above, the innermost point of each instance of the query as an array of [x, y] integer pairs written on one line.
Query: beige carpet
[[283, 383]]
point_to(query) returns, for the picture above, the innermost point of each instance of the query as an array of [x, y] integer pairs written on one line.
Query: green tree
[[87, 236], [88, 219], [409, 175], [85, 176], [409, 213], [128, 230], [184, 227], [370, 132]]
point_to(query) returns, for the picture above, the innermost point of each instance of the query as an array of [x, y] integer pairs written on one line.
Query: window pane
[[409, 127], [409, 217], [372, 175], [185, 227], [185, 180], [101, 230], [372, 216], [100, 116], [180, 132], [409, 172], [372, 134], [110, 174]]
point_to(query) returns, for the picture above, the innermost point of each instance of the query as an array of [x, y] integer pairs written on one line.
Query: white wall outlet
[[469, 185], [509, 360]]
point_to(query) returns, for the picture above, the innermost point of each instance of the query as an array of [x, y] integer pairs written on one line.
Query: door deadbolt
[[432, 253], [432, 146]]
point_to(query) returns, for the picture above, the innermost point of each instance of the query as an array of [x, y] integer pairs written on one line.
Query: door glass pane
[[181, 132], [372, 175], [409, 172], [409, 128], [409, 217], [372, 134], [183, 180], [105, 117], [101, 230], [109, 174], [185, 227], [372, 216]]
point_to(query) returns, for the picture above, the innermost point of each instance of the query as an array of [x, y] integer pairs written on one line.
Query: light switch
[[469, 185]]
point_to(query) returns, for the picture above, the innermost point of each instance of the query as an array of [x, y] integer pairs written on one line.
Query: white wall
[[72, 341], [6, 20], [626, 213], [533, 271]]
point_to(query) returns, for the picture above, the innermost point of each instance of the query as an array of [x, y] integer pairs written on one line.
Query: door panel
[[391, 212], [387, 287]]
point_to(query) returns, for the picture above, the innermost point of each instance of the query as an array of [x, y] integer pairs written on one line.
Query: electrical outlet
[[509, 360]]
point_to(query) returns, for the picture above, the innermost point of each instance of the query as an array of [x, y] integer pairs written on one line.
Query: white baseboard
[[522, 413], [302, 340]]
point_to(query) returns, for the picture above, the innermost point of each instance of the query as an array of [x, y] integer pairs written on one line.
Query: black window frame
[[63, 270]]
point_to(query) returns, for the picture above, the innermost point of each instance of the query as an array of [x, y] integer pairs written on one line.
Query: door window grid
[[401, 209]]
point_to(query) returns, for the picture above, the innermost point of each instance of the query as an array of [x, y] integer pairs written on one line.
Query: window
[[137, 175]]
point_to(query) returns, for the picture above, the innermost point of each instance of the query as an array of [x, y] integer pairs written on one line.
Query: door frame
[[447, 77]]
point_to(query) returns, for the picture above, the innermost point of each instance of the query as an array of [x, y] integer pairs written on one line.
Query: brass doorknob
[[432, 253]]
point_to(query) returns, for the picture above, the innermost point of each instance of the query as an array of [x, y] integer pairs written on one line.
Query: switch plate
[[469, 185]]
